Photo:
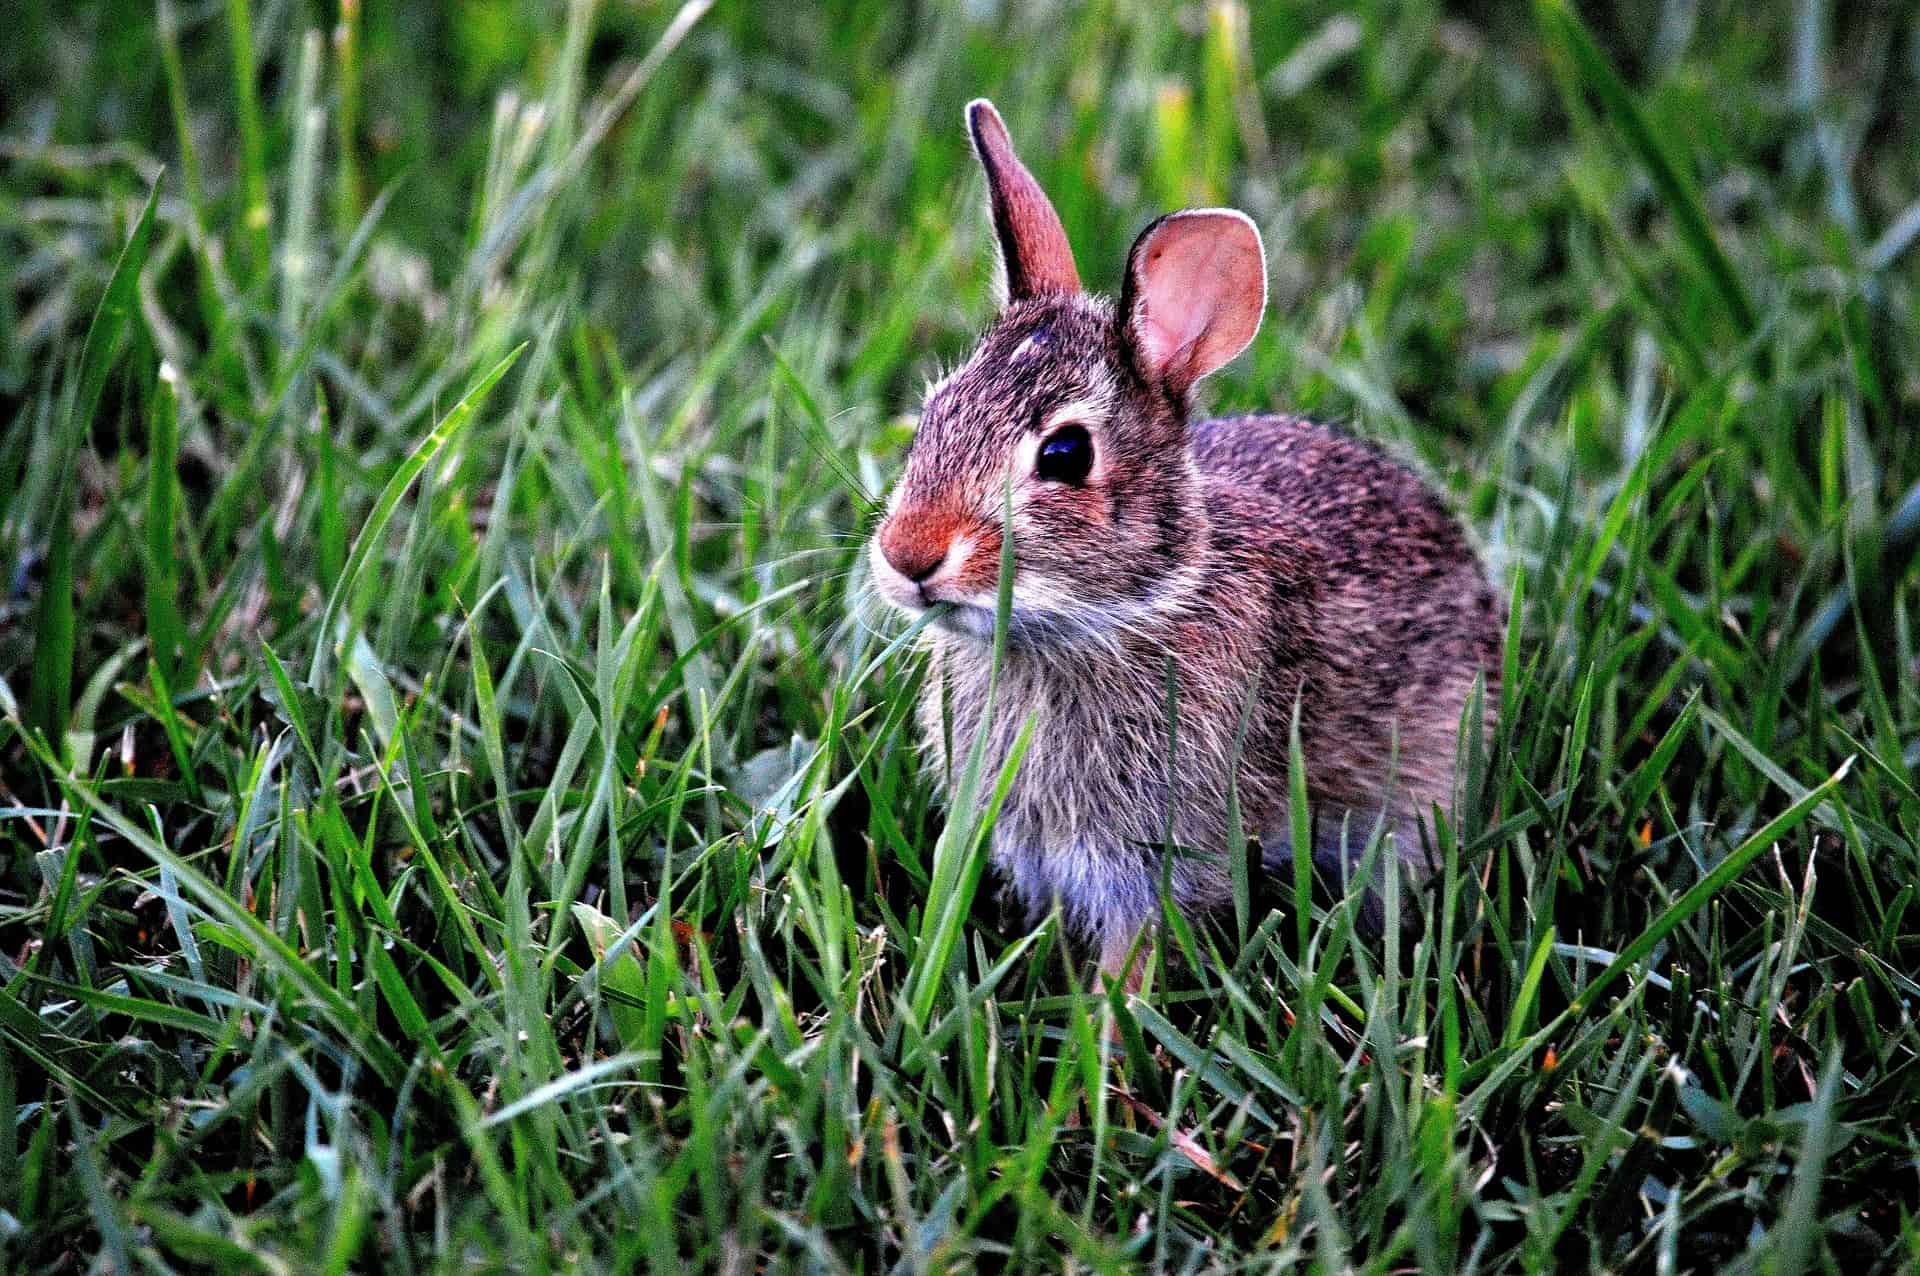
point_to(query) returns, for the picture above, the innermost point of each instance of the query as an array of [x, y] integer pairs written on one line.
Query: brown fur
[[1261, 557]]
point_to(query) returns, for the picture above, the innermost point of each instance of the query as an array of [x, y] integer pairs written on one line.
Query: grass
[[453, 815]]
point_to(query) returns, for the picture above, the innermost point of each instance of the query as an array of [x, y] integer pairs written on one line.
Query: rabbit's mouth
[[1042, 609], [938, 608], [931, 584], [945, 607]]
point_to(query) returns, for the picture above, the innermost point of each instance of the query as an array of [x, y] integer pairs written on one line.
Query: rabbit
[[1238, 566]]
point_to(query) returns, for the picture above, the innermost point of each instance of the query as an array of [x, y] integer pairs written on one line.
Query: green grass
[[453, 814]]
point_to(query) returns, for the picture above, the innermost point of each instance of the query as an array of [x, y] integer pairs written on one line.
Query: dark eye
[[1066, 455]]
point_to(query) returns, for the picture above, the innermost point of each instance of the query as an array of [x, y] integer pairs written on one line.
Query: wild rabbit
[[1256, 560]]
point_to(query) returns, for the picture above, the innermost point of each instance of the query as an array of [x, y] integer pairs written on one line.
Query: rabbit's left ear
[[1195, 290]]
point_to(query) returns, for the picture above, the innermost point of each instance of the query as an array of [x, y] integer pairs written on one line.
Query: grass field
[[453, 813]]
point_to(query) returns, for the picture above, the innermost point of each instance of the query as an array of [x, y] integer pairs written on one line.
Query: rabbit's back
[[1370, 514], [1374, 528], [1391, 616]]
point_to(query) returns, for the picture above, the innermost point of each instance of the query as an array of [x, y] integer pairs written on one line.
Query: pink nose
[[915, 541]]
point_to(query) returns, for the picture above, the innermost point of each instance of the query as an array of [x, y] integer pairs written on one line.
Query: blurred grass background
[[452, 816]]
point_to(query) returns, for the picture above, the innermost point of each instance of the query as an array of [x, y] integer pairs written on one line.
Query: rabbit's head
[[1073, 412]]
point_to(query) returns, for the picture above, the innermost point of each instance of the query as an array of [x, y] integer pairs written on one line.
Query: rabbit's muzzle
[[926, 554]]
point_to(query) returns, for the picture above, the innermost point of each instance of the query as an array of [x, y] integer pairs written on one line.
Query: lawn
[[456, 810]]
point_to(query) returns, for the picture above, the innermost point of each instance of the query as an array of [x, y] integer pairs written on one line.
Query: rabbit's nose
[[915, 547]]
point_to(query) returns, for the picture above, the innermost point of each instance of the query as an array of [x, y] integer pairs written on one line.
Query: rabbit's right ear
[[1195, 291], [1033, 244]]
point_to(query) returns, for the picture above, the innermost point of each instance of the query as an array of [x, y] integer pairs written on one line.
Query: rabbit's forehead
[[1033, 362]]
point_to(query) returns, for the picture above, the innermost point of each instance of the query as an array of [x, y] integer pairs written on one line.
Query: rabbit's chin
[[1028, 628], [968, 621]]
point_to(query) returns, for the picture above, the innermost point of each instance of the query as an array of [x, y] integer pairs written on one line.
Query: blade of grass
[[423, 454], [51, 690], [1565, 30]]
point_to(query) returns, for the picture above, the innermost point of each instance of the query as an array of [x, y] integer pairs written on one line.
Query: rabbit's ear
[[1033, 244], [1195, 289]]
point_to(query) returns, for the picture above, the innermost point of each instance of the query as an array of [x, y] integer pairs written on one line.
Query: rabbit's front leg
[[1107, 890], [1116, 887], [1124, 955]]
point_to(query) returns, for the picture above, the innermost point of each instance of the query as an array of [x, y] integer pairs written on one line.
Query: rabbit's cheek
[[1047, 503], [979, 564], [1092, 506]]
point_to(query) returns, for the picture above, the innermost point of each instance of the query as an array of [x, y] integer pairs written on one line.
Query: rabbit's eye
[[1066, 456]]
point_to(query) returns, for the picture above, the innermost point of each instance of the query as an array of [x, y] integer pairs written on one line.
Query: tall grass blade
[[1564, 27], [51, 691]]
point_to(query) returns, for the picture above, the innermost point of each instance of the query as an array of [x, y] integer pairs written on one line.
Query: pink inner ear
[[1199, 288]]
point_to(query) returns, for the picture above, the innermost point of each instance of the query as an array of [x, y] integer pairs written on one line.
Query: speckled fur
[[1262, 556], [1259, 551]]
